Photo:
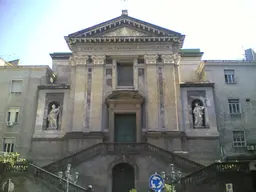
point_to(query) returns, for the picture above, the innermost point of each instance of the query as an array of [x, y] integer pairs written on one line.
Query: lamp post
[[69, 177], [172, 177]]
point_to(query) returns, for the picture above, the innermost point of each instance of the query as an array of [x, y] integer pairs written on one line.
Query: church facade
[[126, 102]]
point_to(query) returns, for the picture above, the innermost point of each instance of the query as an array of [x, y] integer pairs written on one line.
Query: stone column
[[152, 95], [171, 92], [97, 97], [79, 62]]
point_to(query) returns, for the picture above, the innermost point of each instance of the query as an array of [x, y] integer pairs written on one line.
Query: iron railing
[[47, 178], [121, 149]]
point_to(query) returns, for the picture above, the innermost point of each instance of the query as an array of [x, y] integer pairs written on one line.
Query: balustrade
[[121, 149], [213, 177]]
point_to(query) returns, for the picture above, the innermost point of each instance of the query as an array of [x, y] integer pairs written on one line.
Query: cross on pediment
[[124, 4]]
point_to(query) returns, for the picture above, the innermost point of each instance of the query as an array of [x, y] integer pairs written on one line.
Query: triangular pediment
[[124, 26], [125, 29], [125, 32]]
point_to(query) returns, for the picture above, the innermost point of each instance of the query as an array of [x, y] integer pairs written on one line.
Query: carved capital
[[98, 59], [78, 59], [150, 59], [174, 59]]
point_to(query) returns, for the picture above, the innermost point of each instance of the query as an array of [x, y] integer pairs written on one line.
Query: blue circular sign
[[156, 182]]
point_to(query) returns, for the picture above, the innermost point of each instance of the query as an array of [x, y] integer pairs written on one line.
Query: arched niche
[[53, 105], [200, 103], [124, 102], [130, 161]]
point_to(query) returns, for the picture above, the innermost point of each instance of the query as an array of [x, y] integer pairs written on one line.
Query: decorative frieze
[[150, 59], [108, 77], [78, 59], [171, 58], [98, 59], [141, 78], [161, 97]]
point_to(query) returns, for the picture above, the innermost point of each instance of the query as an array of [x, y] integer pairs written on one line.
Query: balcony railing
[[122, 149]]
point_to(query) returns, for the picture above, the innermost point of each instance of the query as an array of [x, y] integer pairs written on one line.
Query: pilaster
[[171, 92], [97, 97], [79, 62], [152, 95]]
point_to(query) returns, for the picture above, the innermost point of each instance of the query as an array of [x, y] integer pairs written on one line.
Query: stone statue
[[53, 116], [198, 115]]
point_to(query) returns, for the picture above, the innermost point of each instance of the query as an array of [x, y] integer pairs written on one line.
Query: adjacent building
[[126, 102], [235, 99], [18, 104]]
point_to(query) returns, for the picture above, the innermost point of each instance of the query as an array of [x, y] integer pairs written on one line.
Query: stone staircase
[[211, 178], [123, 149]]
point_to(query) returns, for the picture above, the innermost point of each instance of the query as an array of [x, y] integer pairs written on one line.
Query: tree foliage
[[11, 159]]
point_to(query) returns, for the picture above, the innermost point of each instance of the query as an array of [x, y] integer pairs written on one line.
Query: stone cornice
[[74, 40], [61, 55], [158, 134], [197, 84], [54, 86]]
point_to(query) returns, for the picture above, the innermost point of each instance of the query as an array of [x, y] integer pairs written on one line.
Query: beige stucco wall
[[188, 67]]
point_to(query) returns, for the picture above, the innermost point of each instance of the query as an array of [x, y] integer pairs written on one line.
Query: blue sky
[[31, 29]]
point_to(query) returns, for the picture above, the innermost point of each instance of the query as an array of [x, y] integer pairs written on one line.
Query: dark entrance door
[[125, 128], [123, 178]]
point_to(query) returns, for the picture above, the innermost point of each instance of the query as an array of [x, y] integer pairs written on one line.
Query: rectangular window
[[12, 115], [124, 74], [234, 106], [8, 145], [229, 75], [16, 86], [239, 139]]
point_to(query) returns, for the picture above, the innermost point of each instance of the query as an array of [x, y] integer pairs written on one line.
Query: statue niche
[[53, 116], [198, 113]]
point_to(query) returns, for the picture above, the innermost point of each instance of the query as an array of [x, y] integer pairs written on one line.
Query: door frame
[[124, 102], [117, 110]]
